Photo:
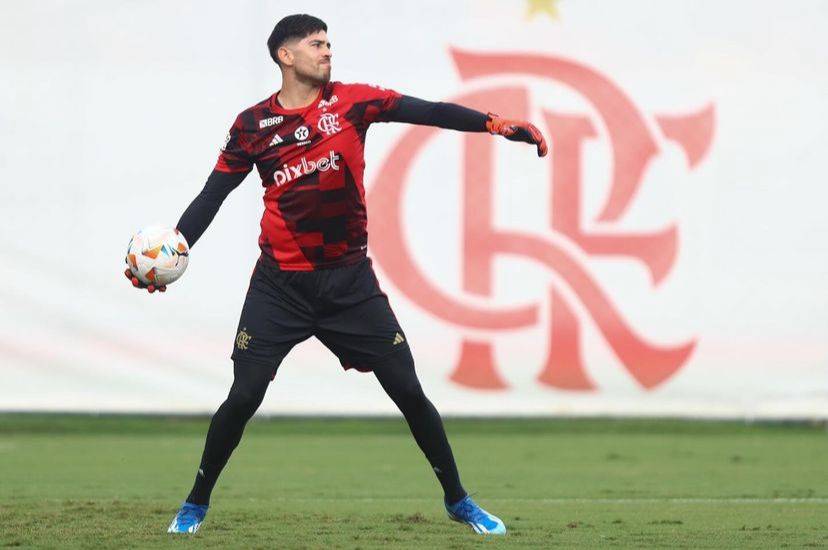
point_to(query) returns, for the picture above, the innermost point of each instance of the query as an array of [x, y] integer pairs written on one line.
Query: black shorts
[[343, 307]]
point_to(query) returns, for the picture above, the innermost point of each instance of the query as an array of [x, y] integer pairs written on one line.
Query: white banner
[[667, 258]]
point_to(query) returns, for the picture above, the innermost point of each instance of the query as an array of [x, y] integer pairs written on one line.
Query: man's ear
[[285, 56]]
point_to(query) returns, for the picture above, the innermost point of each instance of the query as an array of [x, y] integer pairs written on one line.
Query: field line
[[577, 500]]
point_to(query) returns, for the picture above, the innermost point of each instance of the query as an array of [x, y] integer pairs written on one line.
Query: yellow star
[[548, 7]]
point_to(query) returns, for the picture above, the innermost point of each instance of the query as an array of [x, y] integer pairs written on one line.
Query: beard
[[319, 77]]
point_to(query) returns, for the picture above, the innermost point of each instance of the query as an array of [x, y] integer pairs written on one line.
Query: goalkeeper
[[313, 277]]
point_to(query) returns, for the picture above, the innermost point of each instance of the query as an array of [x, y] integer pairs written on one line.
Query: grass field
[[81, 481]]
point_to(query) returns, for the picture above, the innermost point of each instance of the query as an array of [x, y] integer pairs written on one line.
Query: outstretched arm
[[413, 110], [456, 117]]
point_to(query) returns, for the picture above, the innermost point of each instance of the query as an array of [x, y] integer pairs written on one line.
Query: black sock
[[399, 380], [226, 428]]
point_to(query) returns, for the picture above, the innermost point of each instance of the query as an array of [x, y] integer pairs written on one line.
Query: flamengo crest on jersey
[[329, 124], [311, 163]]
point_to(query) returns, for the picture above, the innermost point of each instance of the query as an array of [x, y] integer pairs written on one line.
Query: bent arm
[[202, 210], [443, 115]]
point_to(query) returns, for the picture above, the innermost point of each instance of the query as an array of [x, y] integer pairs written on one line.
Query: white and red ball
[[158, 255]]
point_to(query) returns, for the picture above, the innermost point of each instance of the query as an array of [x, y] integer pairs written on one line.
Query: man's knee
[[411, 393], [400, 381], [249, 386], [244, 397]]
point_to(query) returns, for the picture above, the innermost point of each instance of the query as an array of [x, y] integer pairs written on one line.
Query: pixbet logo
[[633, 144], [289, 173]]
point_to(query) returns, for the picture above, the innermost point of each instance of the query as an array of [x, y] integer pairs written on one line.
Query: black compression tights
[[400, 382], [250, 381], [398, 379]]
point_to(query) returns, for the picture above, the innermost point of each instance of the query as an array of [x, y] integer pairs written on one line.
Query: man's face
[[312, 58]]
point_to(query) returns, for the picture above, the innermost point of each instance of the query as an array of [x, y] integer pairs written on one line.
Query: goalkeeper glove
[[517, 130], [138, 284]]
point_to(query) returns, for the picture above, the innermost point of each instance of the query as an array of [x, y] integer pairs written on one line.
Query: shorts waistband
[[268, 261]]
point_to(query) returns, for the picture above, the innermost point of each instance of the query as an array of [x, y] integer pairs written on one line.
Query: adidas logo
[[277, 139], [398, 339]]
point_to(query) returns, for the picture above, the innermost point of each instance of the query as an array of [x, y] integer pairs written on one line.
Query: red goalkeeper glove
[[138, 284], [517, 130]]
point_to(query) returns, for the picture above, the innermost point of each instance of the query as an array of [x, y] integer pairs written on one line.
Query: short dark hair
[[293, 26]]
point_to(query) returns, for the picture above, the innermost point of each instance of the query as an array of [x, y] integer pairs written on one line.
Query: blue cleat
[[188, 519], [467, 511]]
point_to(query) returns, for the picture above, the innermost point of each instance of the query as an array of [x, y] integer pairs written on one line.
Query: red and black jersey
[[311, 162]]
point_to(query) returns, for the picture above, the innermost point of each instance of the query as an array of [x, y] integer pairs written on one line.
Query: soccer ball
[[158, 255]]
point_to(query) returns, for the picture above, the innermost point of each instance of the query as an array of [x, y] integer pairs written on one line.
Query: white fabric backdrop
[[113, 114]]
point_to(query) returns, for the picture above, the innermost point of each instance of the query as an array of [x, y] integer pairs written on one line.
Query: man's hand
[[138, 284], [517, 130]]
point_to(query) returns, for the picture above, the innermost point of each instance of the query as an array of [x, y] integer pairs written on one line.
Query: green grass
[[85, 481]]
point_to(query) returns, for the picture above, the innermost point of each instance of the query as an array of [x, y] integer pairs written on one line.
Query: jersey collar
[[276, 107]]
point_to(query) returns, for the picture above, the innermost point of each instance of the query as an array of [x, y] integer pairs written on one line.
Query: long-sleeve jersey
[[311, 163]]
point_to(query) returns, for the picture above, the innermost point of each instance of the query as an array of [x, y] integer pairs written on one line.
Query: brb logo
[[633, 142]]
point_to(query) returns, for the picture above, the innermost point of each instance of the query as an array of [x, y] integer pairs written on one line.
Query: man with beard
[[313, 277]]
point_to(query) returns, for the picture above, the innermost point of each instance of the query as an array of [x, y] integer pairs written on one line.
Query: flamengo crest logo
[[329, 124], [633, 141], [242, 341]]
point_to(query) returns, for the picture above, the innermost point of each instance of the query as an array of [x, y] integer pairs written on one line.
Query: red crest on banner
[[633, 147]]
